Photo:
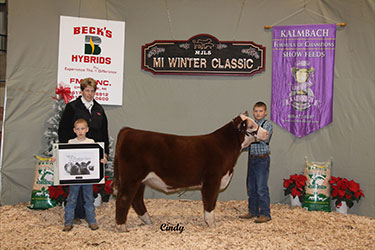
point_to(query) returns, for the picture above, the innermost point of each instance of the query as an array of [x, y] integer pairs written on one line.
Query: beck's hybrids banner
[[92, 48]]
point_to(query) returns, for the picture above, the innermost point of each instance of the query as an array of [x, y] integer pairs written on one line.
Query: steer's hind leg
[[139, 205], [210, 193], [124, 199]]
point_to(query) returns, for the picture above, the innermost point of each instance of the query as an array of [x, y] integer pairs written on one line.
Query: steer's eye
[[243, 125]]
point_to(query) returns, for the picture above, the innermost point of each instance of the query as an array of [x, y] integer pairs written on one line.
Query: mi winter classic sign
[[203, 55], [92, 48]]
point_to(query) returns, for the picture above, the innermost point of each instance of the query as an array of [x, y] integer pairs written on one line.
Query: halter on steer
[[242, 129]]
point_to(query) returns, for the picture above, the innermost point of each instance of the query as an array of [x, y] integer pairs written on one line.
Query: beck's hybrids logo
[[92, 45]]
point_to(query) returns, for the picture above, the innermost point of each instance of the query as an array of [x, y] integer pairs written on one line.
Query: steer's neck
[[230, 137]]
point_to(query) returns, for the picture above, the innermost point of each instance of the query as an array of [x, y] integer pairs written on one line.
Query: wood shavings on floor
[[290, 228]]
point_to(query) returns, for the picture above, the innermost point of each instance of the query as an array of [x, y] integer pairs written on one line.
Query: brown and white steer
[[170, 162]]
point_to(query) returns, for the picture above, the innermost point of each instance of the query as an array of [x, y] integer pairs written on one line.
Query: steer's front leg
[[209, 218], [210, 192]]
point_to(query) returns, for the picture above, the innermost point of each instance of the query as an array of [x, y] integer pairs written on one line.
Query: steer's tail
[[119, 146], [115, 182], [116, 179]]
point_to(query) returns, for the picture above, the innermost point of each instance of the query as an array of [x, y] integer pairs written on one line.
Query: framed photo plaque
[[78, 164]]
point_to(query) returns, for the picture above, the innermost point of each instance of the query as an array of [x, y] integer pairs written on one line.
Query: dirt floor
[[290, 228]]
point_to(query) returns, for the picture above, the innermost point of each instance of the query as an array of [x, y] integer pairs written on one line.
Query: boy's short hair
[[260, 104], [88, 82], [81, 120]]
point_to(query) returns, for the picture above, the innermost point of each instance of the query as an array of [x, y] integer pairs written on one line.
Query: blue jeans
[[71, 203], [80, 210], [257, 187]]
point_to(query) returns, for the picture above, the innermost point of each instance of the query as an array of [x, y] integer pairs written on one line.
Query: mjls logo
[[92, 45]]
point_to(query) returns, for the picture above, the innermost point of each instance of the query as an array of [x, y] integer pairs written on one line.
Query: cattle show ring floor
[[179, 224]]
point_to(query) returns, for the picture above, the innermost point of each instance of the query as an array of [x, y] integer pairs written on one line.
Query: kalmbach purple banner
[[303, 58]]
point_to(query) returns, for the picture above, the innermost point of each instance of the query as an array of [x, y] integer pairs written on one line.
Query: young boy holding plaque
[[80, 129]]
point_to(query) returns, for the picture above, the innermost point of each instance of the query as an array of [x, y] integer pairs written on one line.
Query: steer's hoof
[[146, 219], [209, 218], [211, 224], [122, 228]]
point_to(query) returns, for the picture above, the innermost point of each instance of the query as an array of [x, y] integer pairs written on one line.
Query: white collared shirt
[[76, 141], [87, 104]]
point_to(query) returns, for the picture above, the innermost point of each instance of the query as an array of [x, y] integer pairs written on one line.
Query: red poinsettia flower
[[58, 193], [358, 194], [108, 186], [52, 191], [302, 179], [341, 193], [334, 180], [295, 185], [294, 177], [103, 189], [342, 184], [287, 183], [334, 193], [344, 190], [95, 188], [353, 186], [295, 192]]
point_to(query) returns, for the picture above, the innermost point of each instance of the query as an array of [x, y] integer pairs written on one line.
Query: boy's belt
[[259, 156]]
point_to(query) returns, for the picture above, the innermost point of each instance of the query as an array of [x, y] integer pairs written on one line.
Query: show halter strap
[[244, 132], [255, 132]]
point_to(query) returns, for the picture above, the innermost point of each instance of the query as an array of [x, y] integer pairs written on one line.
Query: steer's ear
[[245, 113]]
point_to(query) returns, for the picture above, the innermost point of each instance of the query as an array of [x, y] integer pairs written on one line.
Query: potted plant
[[295, 187], [58, 194], [103, 190], [345, 192]]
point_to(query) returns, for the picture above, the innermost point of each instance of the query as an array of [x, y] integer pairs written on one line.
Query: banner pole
[[337, 24]]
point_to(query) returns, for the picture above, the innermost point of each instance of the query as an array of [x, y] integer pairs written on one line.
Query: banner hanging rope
[[169, 19], [301, 10], [238, 21]]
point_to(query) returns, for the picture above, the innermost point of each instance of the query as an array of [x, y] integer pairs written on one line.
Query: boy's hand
[[104, 160], [53, 159]]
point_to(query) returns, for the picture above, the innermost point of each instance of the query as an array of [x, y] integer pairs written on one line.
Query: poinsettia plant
[[344, 190], [295, 186], [105, 190], [59, 194]]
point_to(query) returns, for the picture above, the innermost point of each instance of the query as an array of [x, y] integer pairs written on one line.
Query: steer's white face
[[252, 126]]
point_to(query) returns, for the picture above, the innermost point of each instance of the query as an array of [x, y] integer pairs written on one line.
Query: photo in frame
[[78, 164]]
